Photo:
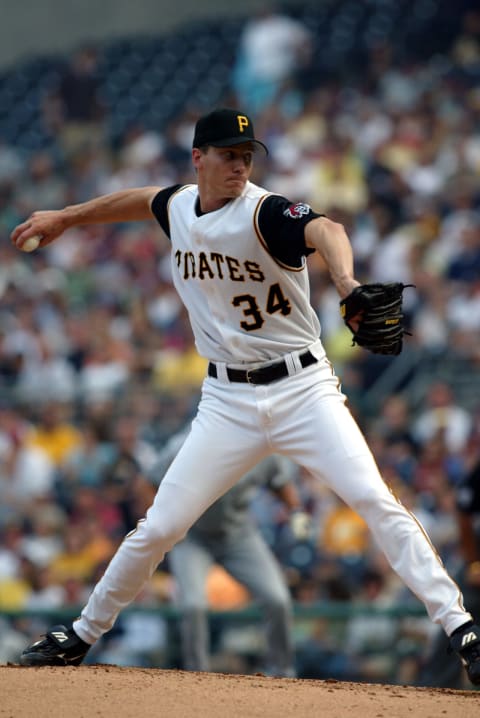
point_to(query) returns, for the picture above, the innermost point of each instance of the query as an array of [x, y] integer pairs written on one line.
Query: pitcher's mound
[[101, 691]]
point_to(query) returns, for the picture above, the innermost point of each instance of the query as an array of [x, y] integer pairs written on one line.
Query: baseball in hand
[[31, 244]]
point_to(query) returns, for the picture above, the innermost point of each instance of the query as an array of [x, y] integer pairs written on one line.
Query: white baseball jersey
[[243, 305]]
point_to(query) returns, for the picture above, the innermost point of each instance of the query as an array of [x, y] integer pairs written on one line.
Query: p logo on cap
[[242, 122]]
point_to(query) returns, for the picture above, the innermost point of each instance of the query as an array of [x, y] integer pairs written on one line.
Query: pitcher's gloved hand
[[373, 313]]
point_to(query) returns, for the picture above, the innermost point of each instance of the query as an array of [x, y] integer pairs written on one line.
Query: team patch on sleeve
[[295, 211]]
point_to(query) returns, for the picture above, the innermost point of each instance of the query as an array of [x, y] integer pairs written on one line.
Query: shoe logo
[[60, 636], [468, 638]]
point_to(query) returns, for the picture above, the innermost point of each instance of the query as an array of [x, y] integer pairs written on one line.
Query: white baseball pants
[[305, 418]]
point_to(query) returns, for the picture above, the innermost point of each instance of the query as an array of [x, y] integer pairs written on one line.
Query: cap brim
[[232, 141]]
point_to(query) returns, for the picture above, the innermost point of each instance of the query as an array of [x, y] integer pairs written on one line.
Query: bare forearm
[[125, 206], [132, 205], [331, 242]]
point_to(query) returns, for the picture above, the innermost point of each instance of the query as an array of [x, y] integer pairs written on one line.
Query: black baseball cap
[[225, 128]]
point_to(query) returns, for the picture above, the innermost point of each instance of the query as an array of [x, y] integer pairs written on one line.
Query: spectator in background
[[11, 163], [14, 587], [105, 371], [86, 547], [464, 264], [11, 534], [55, 432], [87, 464], [273, 50], [442, 415], [75, 110], [30, 477], [430, 325], [338, 177], [345, 539], [123, 478], [42, 542], [464, 320], [52, 378], [393, 423], [43, 185]]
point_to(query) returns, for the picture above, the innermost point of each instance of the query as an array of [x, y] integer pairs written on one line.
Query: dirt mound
[[105, 691]]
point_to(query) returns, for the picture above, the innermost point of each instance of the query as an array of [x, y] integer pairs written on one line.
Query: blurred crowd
[[98, 367]]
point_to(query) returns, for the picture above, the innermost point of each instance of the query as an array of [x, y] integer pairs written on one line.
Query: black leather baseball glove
[[377, 310]]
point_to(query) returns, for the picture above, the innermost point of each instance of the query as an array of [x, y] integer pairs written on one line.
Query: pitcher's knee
[[166, 533]]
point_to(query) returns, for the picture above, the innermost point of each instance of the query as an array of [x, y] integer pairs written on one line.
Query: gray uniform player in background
[[227, 535]]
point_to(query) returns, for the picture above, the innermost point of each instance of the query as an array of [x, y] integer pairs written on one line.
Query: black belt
[[264, 374]]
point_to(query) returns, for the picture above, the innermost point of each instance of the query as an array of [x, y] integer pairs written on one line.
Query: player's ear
[[196, 156]]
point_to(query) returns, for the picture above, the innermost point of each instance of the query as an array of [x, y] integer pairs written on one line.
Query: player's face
[[223, 171]]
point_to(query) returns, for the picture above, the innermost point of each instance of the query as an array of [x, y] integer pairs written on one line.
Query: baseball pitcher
[[238, 258]]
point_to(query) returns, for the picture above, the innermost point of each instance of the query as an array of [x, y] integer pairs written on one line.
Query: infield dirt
[[102, 691]]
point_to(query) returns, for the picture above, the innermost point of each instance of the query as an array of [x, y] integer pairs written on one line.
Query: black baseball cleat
[[60, 647], [466, 643]]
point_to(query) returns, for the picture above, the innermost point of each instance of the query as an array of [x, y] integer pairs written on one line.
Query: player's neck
[[207, 204]]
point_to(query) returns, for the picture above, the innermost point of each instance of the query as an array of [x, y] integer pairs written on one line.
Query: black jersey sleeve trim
[[280, 225], [160, 206]]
